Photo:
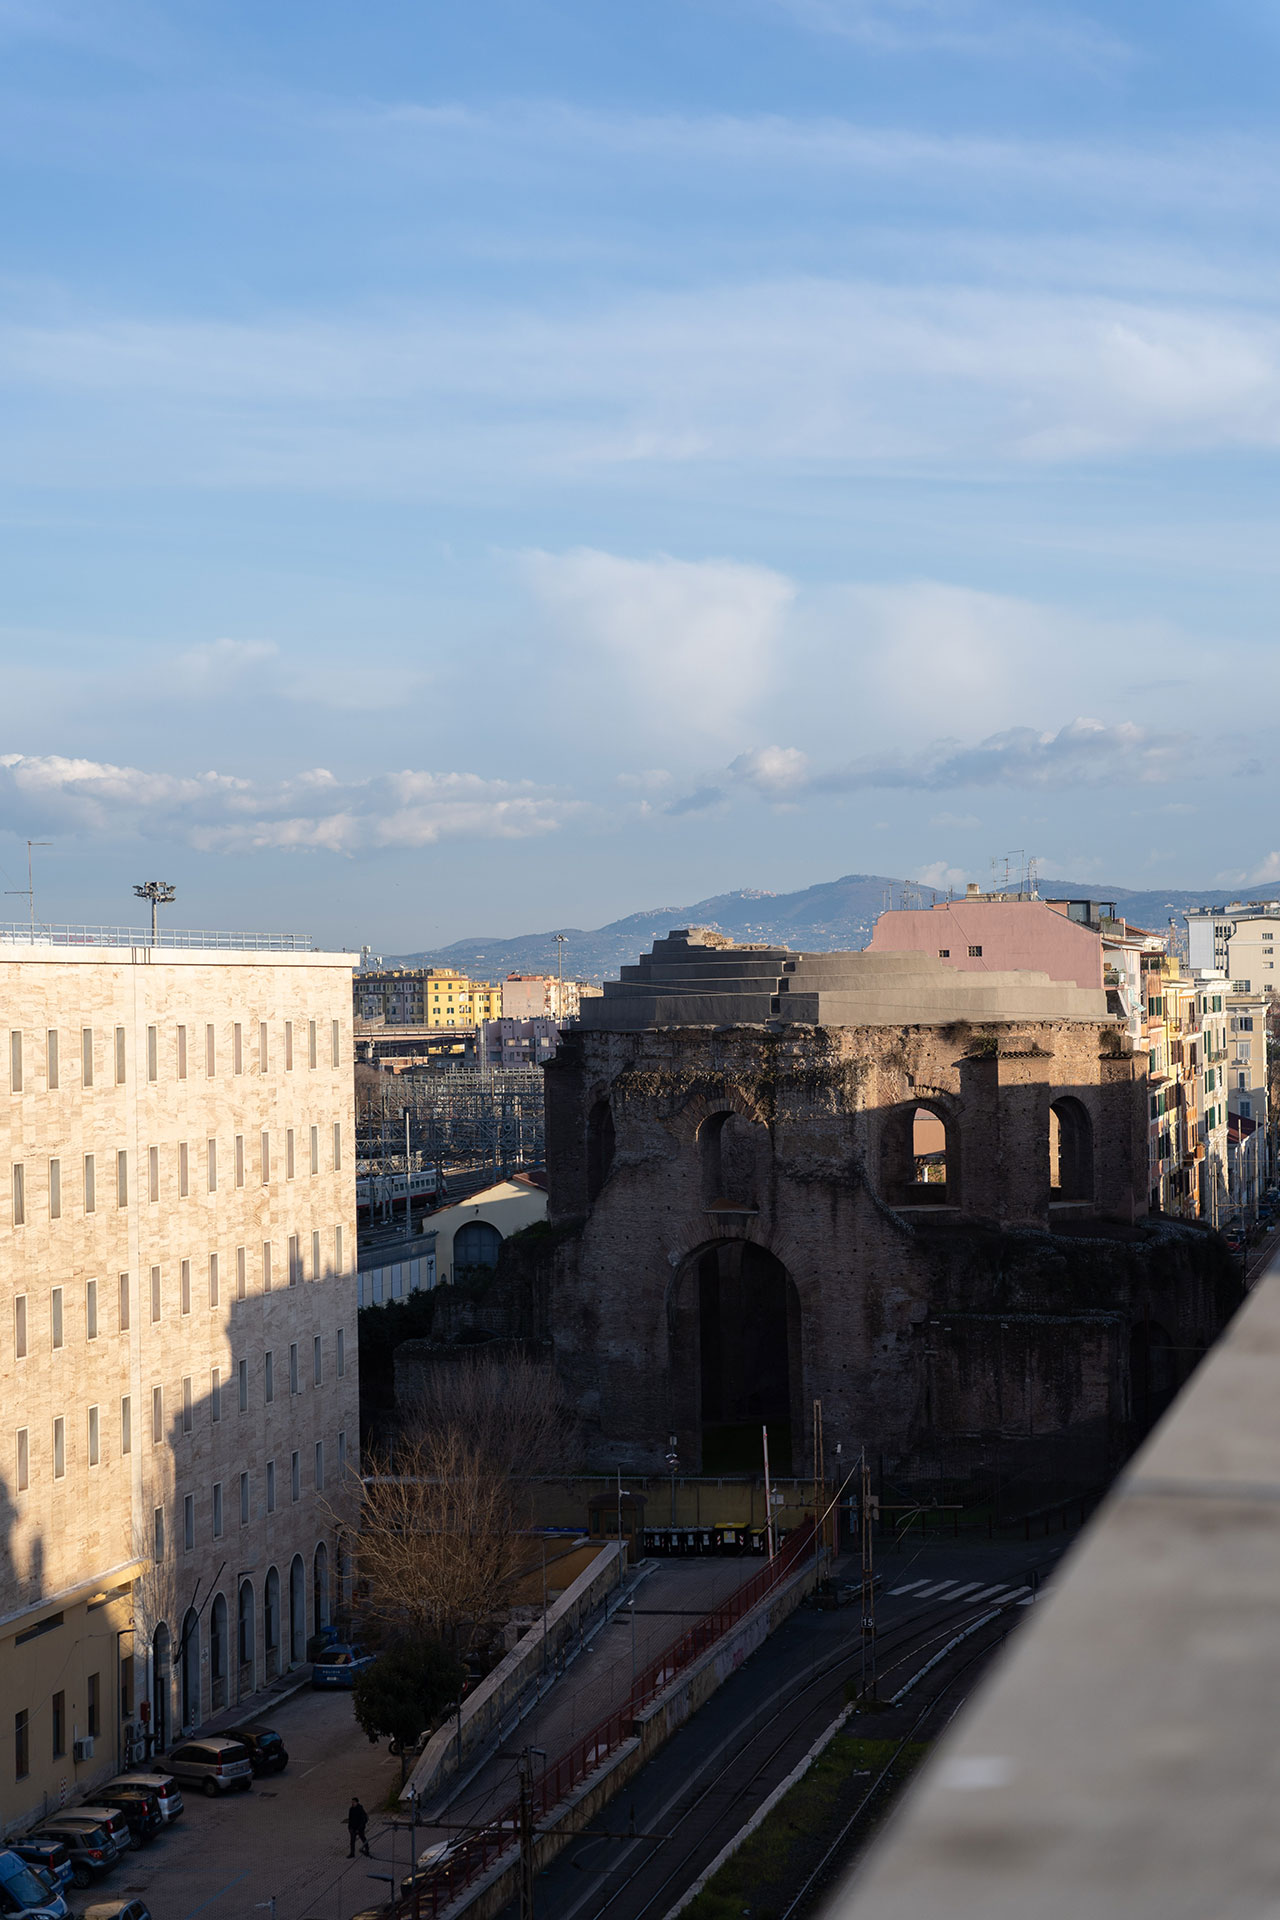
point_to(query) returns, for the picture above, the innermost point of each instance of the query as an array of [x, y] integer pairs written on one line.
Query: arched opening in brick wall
[[919, 1157], [1154, 1374], [1070, 1150], [733, 1153], [601, 1142], [749, 1328]]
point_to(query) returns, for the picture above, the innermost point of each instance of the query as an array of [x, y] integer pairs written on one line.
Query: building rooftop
[[20, 934]]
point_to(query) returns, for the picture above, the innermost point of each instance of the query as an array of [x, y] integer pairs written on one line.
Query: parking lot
[[285, 1840]]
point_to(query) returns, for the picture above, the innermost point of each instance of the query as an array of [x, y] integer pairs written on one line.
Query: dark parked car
[[140, 1808], [267, 1751], [90, 1846], [216, 1763], [161, 1783], [340, 1666], [49, 1856]]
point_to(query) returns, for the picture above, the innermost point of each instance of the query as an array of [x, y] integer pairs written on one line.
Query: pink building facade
[[999, 933]]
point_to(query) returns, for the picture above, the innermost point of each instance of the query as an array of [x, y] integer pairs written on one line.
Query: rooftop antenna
[[159, 893], [1033, 877], [30, 888]]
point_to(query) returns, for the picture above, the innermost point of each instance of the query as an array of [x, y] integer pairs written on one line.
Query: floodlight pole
[[159, 893]]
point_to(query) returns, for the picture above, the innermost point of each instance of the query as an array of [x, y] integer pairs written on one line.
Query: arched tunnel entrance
[[748, 1340]]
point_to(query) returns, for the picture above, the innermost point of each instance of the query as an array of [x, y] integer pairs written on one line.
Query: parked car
[[159, 1782], [340, 1666], [267, 1751], [109, 1818], [117, 1910], [48, 1857], [140, 1808], [217, 1763], [90, 1846], [23, 1891]]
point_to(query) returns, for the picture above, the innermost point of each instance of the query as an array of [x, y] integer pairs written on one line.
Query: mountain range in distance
[[833, 914]]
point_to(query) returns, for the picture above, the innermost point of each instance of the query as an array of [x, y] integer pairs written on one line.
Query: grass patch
[[762, 1877]]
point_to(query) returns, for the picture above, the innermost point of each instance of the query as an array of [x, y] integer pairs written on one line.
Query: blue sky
[[465, 470]]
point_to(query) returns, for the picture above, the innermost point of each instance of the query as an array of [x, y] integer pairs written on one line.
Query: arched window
[[320, 1587], [601, 1141], [476, 1245], [189, 1670], [218, 1653], [1070, 1151], [271, 1621], [732, 1150], [918, 1158], [245, 1639], [297, 1610], [160, 1686]]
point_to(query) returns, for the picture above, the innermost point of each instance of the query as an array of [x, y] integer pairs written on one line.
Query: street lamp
[[159, 893]]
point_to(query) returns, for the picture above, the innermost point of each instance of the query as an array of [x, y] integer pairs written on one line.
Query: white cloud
[[693, 642], [940, 876], [991, 29], [222, 813], [214, 666], [772, 771]]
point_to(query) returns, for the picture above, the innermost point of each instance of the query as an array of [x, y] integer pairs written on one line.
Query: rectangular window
[[122, 1179], [184, 1170], [188, 1404], [336, 1038], [975, 953], [266, 1158], [157, 1533], [215, 1393], [242, 1274], [51, 1058], [15, 1059], [95, 1436], [342, 1450], [153, 1174], [217, 1509], [157, 1415], [210, 1054], [319, 1467], [20, 1326], [317, 1360], [92, 1710], [185, 1272], [59, 1448], [19, 1196], [342, 1353], [182, 1053], [312, 1058], [293, 1366], [262, 1046], [153, 1054], [244, 1499], [315, 1256], [58, 1720], [295, 1476], [288, 1153], [295, 1261], [55, 1189], [126, 1425], [24, 1460], [242, 1383], [55, 1316], [337, 1251], [90, 1309], [86, 1056], [271, 1486], [239, 1159], [124, 1303], [266, 1266], [237, 1047], [188, 1521], [119, 1056], [288, 1046], [155, 1293], [21, 1745], [212, 1158], [213, 1279], [90, 1185], [268, 1376], [315, 1149], [337, 1146]]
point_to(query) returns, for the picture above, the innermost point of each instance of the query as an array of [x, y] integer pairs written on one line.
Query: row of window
[[20, 1185], [93, 1415], [96, 1297], [217, 1504], [58, 1726], [103, 1056]]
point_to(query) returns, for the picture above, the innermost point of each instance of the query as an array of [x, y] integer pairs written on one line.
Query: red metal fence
[[475, 1853]]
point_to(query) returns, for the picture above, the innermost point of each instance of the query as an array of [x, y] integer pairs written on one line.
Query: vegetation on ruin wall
[[1025, 1269]]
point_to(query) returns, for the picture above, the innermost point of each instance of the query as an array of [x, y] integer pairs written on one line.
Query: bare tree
[[508, 1410]]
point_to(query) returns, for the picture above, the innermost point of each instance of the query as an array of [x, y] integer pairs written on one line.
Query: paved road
[[286, 1839]]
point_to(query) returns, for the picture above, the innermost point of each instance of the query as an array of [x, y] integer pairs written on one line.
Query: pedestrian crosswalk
[[972, 1592]]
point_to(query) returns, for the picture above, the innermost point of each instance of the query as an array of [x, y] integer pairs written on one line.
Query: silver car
[[216, 1763]]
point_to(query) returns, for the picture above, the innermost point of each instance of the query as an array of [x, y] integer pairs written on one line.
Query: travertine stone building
[[177, 1340]]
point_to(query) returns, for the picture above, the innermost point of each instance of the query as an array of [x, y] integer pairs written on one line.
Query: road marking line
[[217, 1896], [967, 1588], [907, 1589], [989, 1593], [940, 1586]]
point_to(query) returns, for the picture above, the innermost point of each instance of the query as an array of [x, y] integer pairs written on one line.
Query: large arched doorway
[[271, 1621], [748, 1347], [297, 1610], [217, 1653], [189, 1671], [918, 1158], [320, 1588], [245, 1640], [733, 1151], [161, 1681], [476, 1245]]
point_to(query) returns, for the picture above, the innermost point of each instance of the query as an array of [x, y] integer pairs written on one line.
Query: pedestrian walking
[[357, 1821]]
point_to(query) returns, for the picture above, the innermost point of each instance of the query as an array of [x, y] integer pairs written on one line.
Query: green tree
[[406, 1690]]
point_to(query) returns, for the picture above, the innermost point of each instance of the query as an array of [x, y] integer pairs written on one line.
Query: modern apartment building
[[1239, 940], [177, 1340], [425, 997], [540, 996]]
